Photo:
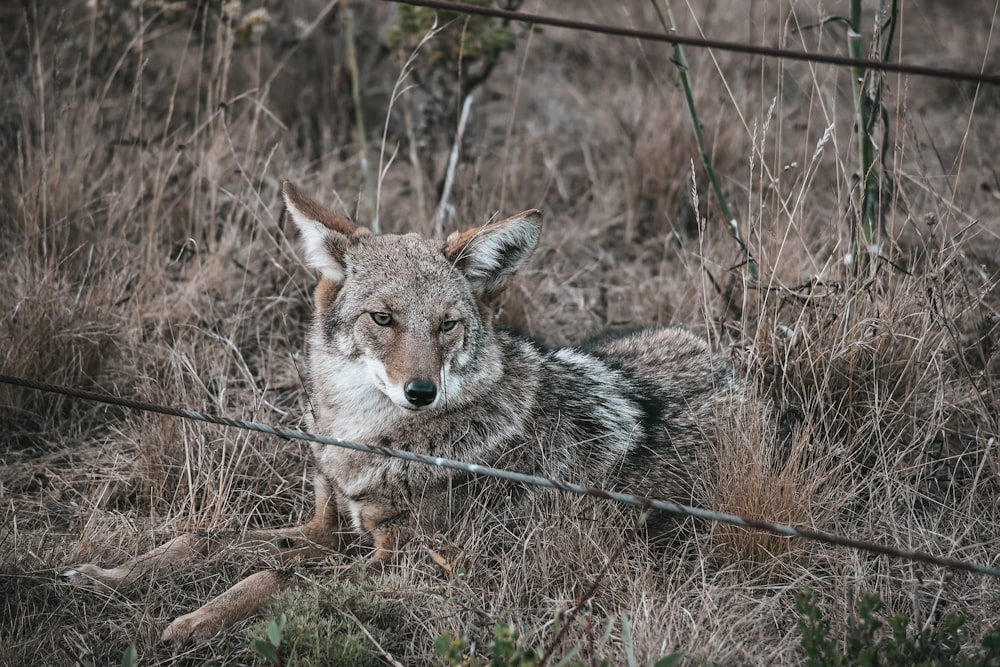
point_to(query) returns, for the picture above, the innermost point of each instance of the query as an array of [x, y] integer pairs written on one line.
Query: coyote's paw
[[91, 577], [199, 625], [238, 603]]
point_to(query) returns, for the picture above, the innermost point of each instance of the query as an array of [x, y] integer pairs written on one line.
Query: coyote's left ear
[[488, 255]]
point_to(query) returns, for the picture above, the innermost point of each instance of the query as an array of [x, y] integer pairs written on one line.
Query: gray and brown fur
[[403, 352]]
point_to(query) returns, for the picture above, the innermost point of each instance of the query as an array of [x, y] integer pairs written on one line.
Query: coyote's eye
[[382, 319], [448, 325]]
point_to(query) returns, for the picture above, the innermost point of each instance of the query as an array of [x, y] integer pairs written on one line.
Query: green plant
[[477, 40], [509, 649], [869, 642], [815, 631], [270, 647], [344, 623], [130, 658], [866, 89], [866, 93], [505, 650]]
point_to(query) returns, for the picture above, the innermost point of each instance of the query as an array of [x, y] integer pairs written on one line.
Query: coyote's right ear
[[325, 235]]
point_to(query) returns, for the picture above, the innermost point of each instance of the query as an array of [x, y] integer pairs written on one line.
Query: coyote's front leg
[[239, 602], [248, 596]]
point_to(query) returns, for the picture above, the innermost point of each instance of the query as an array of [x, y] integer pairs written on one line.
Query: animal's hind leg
[[239, 602]]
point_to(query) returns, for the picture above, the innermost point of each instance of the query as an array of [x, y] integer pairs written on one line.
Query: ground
[[145, 254]]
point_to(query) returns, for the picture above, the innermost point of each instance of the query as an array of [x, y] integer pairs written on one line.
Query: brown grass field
[[144, 253]]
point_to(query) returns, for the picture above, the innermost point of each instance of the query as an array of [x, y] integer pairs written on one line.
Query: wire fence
[[644, 502], [980, 78]]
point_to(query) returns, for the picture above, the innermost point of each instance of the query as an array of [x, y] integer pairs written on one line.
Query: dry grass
[[143, 252]]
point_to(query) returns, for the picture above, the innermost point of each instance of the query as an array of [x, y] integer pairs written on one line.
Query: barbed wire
[[644, 502], [701, 42]]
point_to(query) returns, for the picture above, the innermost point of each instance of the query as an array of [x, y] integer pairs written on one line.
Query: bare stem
[[359, 116], [680, 60], [449, 180], [869, 181]]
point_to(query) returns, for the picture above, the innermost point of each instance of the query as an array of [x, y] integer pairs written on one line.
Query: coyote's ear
[[488, 255], [325, 235]]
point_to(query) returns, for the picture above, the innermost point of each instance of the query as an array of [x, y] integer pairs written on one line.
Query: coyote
[[403, 352]]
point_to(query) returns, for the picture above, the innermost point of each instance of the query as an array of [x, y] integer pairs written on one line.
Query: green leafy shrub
[[471, 37], [870, 641], [330, 625], [505, 650], [509, 649]]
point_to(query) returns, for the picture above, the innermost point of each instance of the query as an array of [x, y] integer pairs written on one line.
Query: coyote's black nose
[[420, 392]]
